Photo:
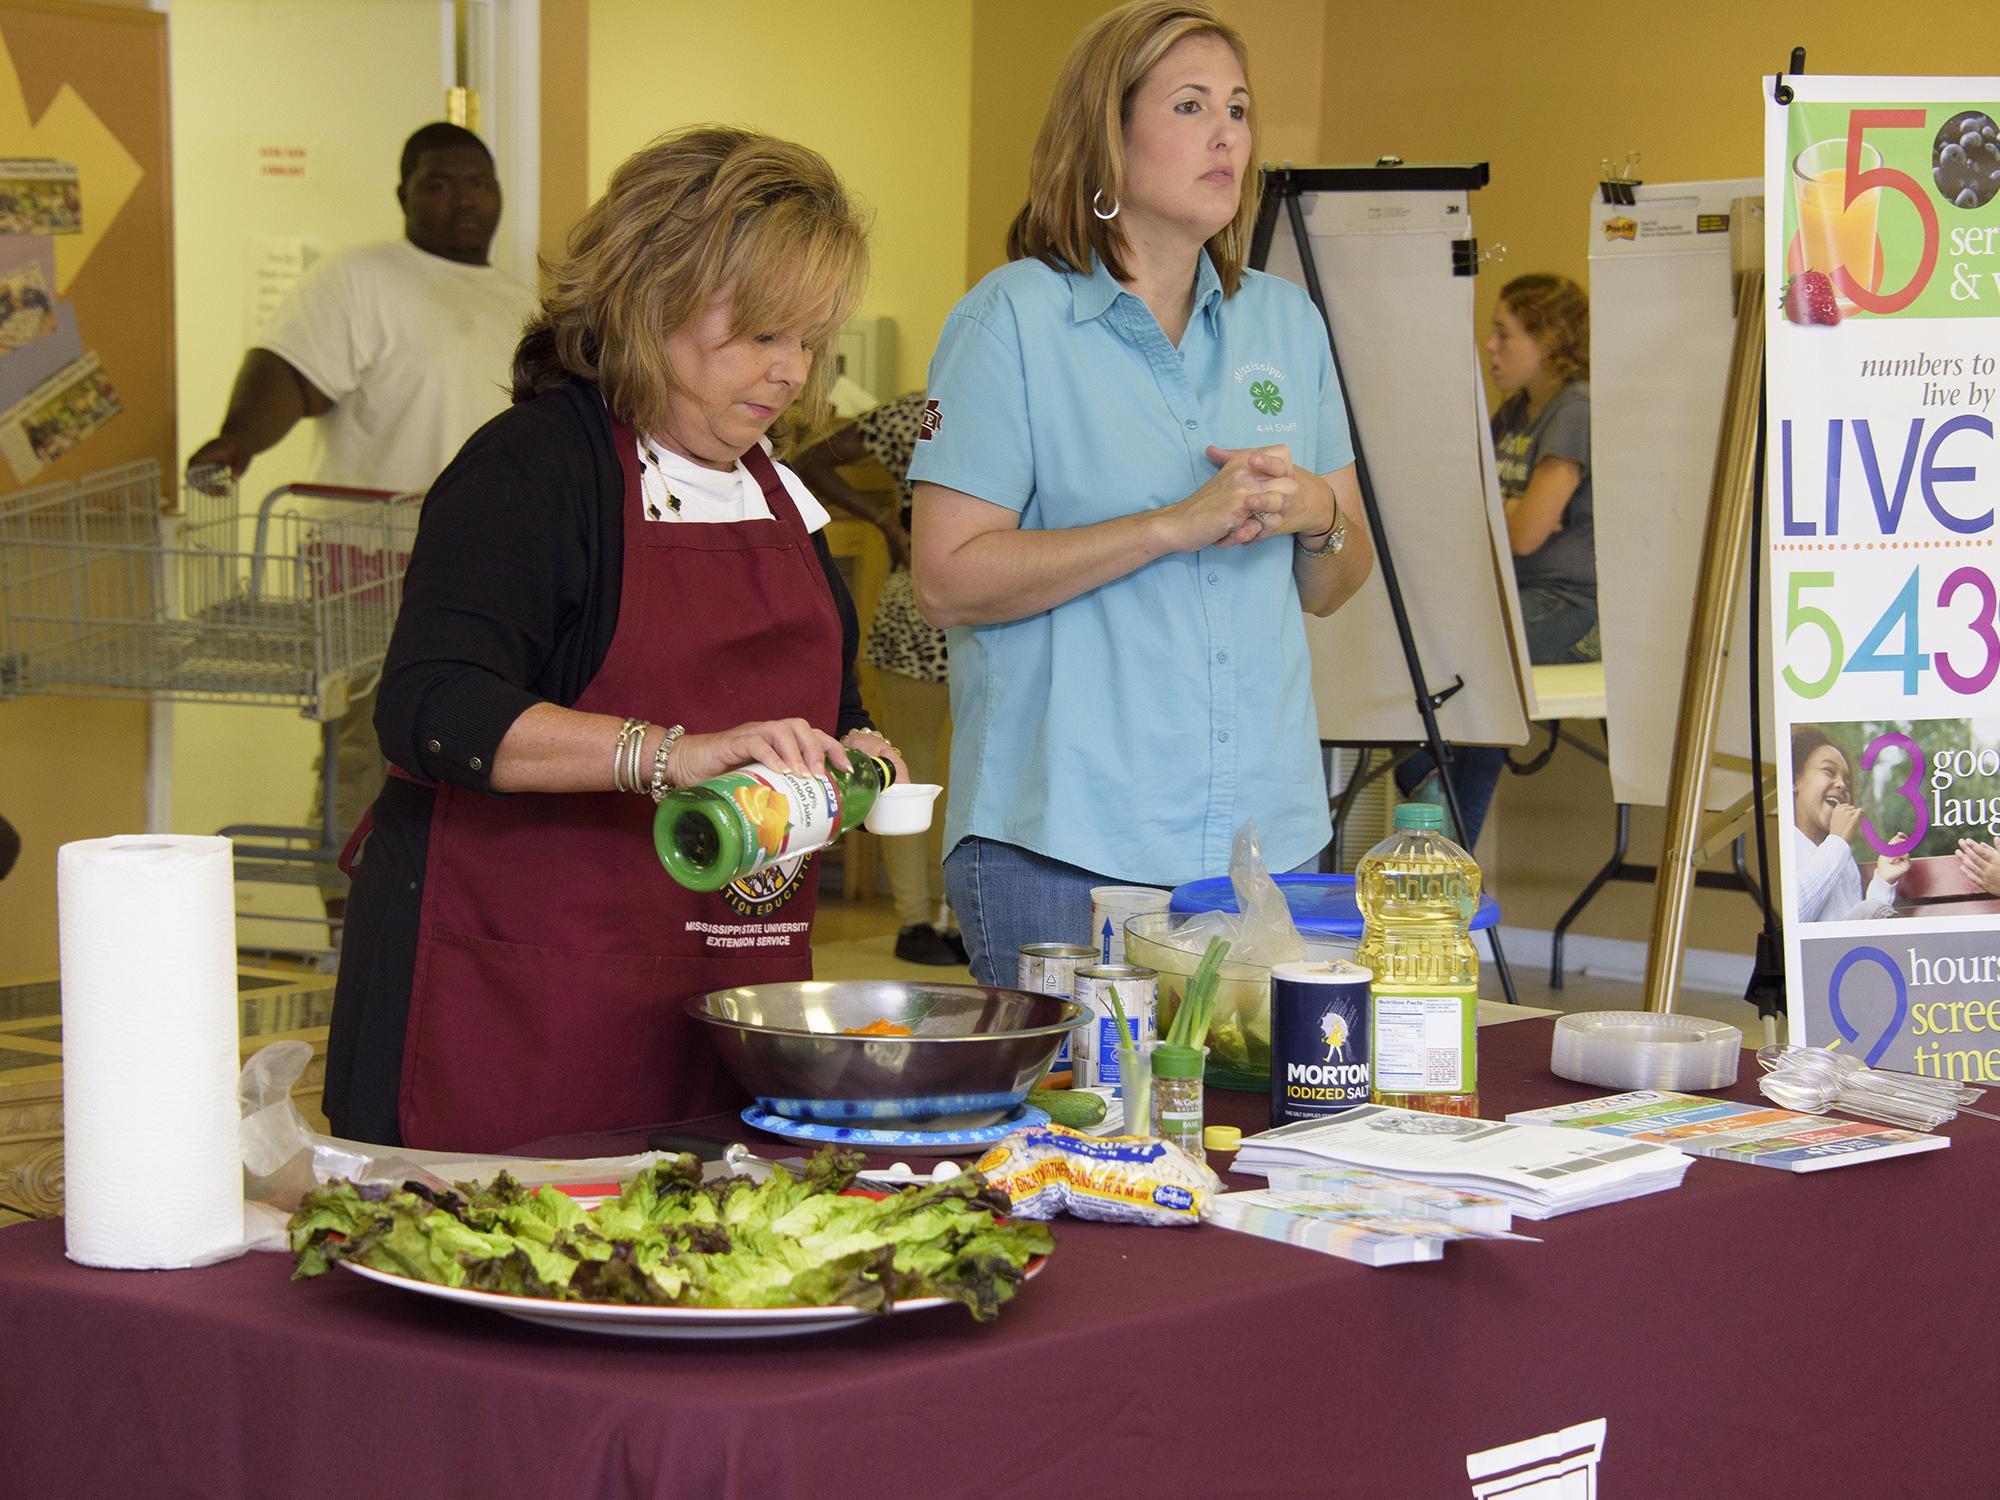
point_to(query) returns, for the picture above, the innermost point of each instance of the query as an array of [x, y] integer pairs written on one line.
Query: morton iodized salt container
[[1319, 1039]]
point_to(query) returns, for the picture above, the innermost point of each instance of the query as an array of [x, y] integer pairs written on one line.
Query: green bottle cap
[[1170, 1061], [1419, 815]]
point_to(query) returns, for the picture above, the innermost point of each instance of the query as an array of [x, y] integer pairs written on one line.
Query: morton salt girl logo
[[1333, 1031]]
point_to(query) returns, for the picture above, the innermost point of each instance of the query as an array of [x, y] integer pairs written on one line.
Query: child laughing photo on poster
[[1824, 815]]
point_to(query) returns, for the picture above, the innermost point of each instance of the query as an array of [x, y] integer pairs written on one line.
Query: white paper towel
[[153, 1173]]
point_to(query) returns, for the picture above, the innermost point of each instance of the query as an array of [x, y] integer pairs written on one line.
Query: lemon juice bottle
[[742, 821], [1417, 891]]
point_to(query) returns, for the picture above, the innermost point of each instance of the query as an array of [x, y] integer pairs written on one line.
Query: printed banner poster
[[1882, 237]]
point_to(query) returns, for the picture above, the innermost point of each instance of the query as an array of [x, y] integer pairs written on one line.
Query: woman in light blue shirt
[[1134, 473]]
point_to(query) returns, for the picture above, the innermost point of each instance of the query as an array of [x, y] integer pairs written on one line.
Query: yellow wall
[[1018, 47], [364, 74], [880, 89], [1545, 103]]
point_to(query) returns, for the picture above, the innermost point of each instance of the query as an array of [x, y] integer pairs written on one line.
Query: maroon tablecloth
[[1752, 1334]]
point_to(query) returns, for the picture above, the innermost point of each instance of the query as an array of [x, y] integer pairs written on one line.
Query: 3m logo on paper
[[1556, 1466]]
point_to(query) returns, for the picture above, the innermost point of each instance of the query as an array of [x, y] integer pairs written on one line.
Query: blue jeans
[[1561, 627], [1006, 896], [1476, 769]]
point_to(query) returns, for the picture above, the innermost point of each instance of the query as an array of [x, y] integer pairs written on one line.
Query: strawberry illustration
[[1809, 299]]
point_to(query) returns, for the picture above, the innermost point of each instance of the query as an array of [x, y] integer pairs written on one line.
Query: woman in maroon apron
[[615, 557]]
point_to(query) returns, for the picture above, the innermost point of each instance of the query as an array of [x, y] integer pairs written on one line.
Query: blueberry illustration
[[1953, 152], [1967, 199], [1969, 140]]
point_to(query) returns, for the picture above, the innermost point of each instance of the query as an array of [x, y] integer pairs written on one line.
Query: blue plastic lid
[[1322, 905]]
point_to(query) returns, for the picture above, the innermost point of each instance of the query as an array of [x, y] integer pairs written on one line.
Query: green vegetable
[[1075, 1108], [1191, 1021], [671, 1240]]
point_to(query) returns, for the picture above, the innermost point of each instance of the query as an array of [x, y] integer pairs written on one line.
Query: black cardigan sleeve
[[511, 597]]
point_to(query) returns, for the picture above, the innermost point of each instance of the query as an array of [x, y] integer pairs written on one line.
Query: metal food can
[[1320, 1054], [1050, 969], [1095, 1054], [1110, 905]]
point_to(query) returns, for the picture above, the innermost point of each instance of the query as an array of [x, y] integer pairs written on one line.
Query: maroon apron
[[553, 951]]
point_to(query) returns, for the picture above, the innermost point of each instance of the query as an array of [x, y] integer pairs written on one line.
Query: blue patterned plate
[[908, 1142]]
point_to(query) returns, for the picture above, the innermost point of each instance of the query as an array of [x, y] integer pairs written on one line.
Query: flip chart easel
[[1665, 260], [1395, 242]]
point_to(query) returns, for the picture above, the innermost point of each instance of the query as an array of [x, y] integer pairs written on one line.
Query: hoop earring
[[1097, 206]]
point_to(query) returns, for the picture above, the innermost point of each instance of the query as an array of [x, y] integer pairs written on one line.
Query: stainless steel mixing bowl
[[973, 1055]]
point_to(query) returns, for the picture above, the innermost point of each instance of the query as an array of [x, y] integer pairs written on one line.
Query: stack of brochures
[[1760, 1134], [1363, 1216], [1537, 1170]]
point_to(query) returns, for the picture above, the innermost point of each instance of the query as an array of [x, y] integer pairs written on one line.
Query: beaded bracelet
[[659, 786]]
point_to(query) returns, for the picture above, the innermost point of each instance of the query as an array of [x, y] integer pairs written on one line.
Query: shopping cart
[[101, 595]]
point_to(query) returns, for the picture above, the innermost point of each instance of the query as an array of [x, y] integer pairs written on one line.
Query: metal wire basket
[[106, 597]]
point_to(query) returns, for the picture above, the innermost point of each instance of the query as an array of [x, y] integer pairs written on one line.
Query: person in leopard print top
[[912, 696]]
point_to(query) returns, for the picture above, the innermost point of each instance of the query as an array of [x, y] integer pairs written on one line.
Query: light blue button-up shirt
[[1131, 729]]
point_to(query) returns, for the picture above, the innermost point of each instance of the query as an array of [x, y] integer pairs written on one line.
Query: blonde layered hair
[[681, 218], [1555, 313], [1081, 150]]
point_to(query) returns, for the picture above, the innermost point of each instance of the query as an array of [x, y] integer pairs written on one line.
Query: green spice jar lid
[[1170, 1061]]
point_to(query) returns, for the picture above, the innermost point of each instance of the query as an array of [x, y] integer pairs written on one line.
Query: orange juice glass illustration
[[1833, 232]]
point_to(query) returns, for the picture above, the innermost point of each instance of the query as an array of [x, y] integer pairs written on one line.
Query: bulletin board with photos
[[86, 243]]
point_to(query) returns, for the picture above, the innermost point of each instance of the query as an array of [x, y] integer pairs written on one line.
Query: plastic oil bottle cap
[[1221, 1138], [1170, 1061], [1419, 815]]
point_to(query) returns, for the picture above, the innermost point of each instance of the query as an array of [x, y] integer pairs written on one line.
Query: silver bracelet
[[625, 755], [659, 787], [635, 764]]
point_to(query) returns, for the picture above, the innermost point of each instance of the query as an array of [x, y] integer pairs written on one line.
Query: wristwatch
[[1335, 539]]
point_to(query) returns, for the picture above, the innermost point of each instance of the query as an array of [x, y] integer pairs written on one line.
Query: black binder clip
[[1781, 91], [1617, 184]]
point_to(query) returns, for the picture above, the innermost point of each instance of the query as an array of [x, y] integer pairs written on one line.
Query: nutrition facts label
[[1419, 1043]]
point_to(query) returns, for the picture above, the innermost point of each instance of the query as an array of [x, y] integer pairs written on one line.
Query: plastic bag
[[1265, 932], [1124, 1179], [284, 1158]]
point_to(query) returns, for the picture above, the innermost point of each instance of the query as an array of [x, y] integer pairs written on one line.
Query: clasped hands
[[1255, 493]]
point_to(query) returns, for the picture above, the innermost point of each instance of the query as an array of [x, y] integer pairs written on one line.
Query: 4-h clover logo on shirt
[[1264, 396]]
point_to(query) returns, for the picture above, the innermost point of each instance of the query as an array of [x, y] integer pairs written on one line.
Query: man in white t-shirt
[[400, 351]]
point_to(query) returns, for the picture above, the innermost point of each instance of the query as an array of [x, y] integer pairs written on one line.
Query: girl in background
[[1538, 355]]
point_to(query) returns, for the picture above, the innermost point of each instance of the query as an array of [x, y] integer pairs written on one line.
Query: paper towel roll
[[153, 1174]]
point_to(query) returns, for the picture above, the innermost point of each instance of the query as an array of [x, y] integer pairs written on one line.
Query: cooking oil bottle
[[1417, 891], [736, 824]]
